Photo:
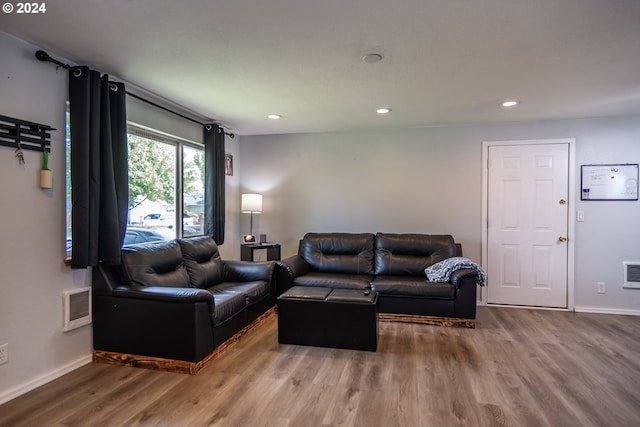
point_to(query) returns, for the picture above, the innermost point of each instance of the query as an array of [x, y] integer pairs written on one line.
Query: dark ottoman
[[325, 317]]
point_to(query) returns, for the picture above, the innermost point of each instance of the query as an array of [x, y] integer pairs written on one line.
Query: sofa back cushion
[[154, 264], [410, 254], [202, 260], [349, 253]]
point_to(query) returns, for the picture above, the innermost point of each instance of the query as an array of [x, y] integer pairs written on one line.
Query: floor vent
[[631, 274], [76, 308]]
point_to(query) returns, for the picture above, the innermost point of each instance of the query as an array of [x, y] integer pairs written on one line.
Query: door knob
[[563, 202], [562, 239]]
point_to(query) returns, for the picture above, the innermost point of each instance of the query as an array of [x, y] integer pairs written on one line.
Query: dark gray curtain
[[99, 168], [214, 183]]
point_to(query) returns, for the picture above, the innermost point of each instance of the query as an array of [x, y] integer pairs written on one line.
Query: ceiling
[[445, 62]]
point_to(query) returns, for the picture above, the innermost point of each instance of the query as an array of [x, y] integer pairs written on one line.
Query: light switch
[[580, 216]]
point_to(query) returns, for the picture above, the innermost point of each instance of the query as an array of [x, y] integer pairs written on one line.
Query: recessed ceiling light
[[383, 110], [274, 116], [510, 103], [372, 57]]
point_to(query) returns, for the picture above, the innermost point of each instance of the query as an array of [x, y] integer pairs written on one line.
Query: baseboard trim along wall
[[32, 385], [594, 310], [597, 310]]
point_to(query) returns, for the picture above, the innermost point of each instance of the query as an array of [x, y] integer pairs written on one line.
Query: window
[[192, 191], [166, 176]]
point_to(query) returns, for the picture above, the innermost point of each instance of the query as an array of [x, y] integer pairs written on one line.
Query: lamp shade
[[251, 203]]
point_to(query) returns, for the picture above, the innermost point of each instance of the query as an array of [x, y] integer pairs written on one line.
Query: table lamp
[[251, 203]]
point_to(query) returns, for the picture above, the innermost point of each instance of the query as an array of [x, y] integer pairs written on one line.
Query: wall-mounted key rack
[[17, 134]]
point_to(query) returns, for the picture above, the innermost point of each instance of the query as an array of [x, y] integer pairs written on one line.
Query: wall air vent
[[631, 274], [76, 308]]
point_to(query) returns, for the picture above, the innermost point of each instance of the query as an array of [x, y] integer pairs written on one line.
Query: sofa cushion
[[202, 261], [334, 280], [410, 254], [252, 291], [154, 264], [348, 253], [409, 286], [316, 293]]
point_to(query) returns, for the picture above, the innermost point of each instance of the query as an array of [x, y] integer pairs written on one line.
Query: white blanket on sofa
[[441, 271]]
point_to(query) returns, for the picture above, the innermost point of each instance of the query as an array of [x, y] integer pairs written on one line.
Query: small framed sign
[[228, 164], [609, 182]]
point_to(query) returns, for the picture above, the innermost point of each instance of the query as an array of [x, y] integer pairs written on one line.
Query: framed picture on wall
[[228, 164]]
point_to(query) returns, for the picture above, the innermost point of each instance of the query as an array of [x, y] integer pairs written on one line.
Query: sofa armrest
[[247, 271], [465, 281], [457, 276], [287, 270], [167, 294], [170, 323], [295, 266]]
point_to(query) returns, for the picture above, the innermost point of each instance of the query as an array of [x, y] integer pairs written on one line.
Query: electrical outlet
[[4, 353], [602, 288]]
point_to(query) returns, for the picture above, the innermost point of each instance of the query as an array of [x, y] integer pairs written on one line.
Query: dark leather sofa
[[176, 300], [392, 265]]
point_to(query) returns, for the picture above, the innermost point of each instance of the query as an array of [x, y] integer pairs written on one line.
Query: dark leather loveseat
[[392, 265], [175, 300]]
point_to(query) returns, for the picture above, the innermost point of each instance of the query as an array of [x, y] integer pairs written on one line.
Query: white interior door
[[527, 224]]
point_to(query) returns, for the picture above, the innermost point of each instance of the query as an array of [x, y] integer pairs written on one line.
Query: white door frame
[[570, 211]]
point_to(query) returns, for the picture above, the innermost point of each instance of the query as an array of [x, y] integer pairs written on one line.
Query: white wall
[[362, 182], [33, 274], [611, 231], [233, 235], [429, 181]]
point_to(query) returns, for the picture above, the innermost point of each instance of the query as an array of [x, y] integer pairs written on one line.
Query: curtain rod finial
[[43, 56]]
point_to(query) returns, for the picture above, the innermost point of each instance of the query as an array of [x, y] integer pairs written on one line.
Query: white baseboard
[[527, 307], [597, 310], [32, 385]]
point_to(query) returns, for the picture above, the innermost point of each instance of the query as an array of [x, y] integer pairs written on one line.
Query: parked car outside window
[[142, 235]]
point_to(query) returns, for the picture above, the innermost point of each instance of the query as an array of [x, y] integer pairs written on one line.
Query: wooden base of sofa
[[428, 320], [173, 365]]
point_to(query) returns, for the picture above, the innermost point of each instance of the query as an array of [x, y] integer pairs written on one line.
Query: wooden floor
[[517, 368]]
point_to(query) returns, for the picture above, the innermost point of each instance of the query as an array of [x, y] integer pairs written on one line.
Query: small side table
[[260, 252]]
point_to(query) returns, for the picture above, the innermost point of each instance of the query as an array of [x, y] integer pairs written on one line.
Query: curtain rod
[[44, 57]]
